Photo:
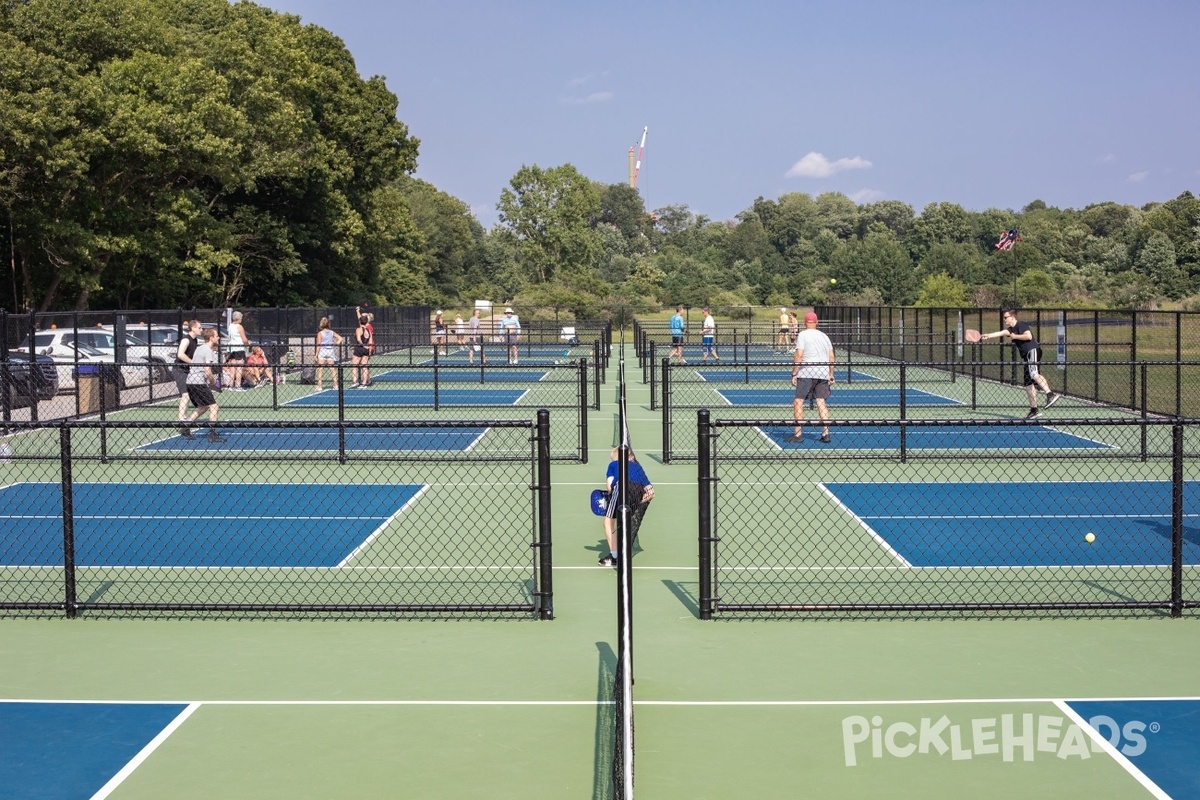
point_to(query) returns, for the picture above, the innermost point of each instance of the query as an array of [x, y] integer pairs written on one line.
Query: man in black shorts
[[1022, 340], [200, 381], [183, 360]]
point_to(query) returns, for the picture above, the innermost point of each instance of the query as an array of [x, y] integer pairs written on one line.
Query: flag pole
[[1016, 301]]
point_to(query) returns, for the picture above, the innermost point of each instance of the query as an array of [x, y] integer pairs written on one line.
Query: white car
[[90, 346], [158, 344]]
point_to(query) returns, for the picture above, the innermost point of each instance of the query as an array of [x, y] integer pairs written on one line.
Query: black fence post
[[1177, 519], [1132, 358], [70, 602], [436, 379], [666, 410], [545, 589], [653, 368], [583, 410], [597, 361], [1144, 370], [704, 489]]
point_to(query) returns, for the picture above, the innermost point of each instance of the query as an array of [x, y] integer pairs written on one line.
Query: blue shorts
[[709, 343]]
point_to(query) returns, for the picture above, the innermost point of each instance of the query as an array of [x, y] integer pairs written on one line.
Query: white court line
[[379, 529], [947, 701], [144, 753], [881, 541], [1105, 745]]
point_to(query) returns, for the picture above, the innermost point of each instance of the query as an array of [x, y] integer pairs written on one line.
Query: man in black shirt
[[1022, 340], [183, 361]]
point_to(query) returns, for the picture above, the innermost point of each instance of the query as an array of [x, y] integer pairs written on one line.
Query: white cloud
[[594, 97], [1108, 158], [585, 78], [815, 165], [866, 195], [1137, 177]]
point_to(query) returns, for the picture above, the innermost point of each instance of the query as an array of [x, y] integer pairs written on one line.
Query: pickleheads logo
[[1007, 737]]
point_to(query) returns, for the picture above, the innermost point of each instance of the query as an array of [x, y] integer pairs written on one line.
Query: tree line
[[180, 153]]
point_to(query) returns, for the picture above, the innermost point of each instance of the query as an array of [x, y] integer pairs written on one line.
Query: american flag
[[1008, 239]]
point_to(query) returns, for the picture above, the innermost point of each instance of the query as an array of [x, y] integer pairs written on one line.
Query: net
[[622, 761]]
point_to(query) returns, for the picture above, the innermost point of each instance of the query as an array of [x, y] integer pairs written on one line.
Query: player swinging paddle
[[1022, 339]]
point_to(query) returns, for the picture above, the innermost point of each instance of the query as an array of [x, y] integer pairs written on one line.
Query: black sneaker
[[606, 561], [794, 439], [1033, 414], [186, 433], [1052, 398], [825, 438], [216, 438]]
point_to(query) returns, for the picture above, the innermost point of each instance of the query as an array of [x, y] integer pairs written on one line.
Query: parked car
[[157, 344], [21, 387], [89, 345]]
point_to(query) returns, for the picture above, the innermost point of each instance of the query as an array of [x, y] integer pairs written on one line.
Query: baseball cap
[[508, 311], [438, 313], [783, 311], [810, 317]]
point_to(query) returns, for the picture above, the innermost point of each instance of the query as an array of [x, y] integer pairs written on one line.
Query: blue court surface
[[413, 397], [1021, 524], [198, 525], [74, 749], [783, 396], [326, 440], [776, 374], [1157, 736], [1033, 437], [459, 375]]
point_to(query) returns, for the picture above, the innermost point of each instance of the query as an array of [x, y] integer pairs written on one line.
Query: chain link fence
[[99, 362], [1096, 516], [867, 387], [1098, 351], [347, 518]]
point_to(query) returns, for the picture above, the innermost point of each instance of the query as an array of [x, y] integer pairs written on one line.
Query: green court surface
[[511, 708]]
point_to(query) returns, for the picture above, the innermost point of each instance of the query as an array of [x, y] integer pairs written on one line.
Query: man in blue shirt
[[678, 327], [641, 492]]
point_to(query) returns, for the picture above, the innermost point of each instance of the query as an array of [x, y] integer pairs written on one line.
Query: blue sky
[[981, 104]]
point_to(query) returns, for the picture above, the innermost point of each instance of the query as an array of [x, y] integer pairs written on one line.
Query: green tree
[[450, 237], [942, 291], [546, 215], [188, 151], [1156, 261], [622, 207], [939, 223], [898, 216]]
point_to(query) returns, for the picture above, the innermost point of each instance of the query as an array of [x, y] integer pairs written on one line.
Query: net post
[[70, 600], [545, 589], [1177, 519], [704, 487]]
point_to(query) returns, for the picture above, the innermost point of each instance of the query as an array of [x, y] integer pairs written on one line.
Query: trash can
[[87, 383], [110, 384]]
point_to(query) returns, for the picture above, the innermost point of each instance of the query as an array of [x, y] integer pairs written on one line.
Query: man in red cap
[[812, 376]]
